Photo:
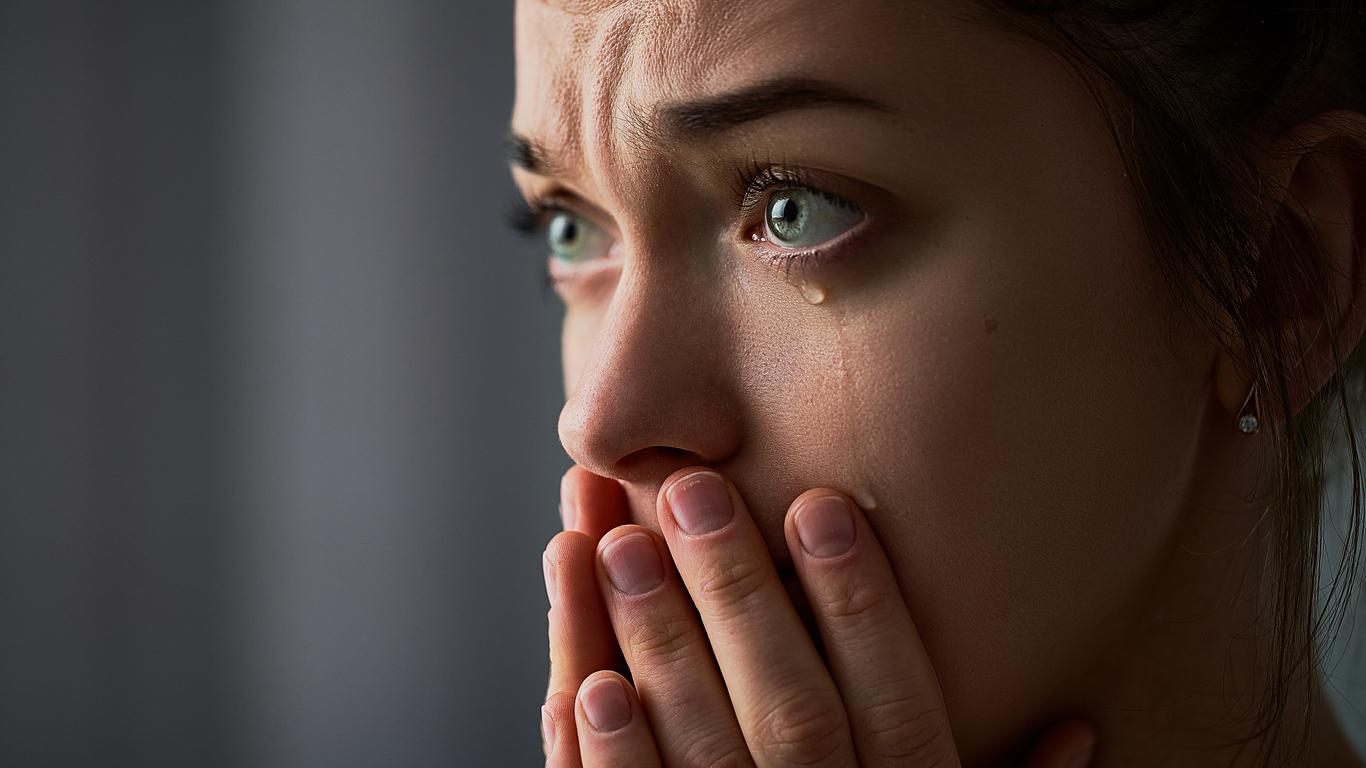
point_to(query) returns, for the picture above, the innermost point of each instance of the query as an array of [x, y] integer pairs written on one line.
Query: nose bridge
[[654, 394]]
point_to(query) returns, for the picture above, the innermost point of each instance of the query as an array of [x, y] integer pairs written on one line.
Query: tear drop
[[865, 501], [813, 294]]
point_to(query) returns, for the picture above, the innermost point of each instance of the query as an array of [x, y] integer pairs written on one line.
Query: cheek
[[578, 335], [1026, 433]]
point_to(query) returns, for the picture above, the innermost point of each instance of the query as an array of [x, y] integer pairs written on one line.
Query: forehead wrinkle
[[581, 112], [669, 46], [610, 64], [604, 128], [703, 35], [551, 113], [582, 7]]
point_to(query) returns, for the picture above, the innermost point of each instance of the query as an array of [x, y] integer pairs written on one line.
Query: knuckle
[[716, 749], [663, 641], [804, 728], [729, 582], [908, 728], [857, 605]]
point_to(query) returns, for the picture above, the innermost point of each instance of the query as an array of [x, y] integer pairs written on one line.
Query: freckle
[[990, 324]]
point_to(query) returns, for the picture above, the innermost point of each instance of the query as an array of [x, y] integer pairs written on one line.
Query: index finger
[[581, 637], [787, 706], [890, 691]]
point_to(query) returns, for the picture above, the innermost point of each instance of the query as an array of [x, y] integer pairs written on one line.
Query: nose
[[657, 392]]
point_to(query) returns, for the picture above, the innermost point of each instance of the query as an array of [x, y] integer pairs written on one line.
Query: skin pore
[[983, 353]]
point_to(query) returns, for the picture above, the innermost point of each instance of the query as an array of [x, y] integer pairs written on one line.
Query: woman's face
[[885, 248]]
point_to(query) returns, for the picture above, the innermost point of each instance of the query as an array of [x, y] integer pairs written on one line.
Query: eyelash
[[756, 177], [527, 218], [753, 180]]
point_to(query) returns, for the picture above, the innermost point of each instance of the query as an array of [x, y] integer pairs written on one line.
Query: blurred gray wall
[[277, 392]]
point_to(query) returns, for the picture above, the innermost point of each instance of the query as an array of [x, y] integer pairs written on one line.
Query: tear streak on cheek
[[862, 472]]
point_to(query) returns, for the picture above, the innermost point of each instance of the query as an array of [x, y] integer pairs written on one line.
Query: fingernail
[[569, 514], [825, 526], [700, 503], [632, 564], [549, 570], [1084, 753], [547, 730], [605, 703]]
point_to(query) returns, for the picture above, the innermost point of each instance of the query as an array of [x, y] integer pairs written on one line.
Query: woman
[[946, 380]]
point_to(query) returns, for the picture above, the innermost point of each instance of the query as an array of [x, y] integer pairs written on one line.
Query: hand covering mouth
[[799, 601]]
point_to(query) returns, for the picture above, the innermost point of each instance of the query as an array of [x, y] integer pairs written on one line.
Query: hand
[[725, 673]]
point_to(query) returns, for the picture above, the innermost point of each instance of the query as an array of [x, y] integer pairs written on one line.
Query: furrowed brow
[[709, 115]]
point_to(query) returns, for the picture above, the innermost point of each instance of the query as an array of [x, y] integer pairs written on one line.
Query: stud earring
[[1247, 422]]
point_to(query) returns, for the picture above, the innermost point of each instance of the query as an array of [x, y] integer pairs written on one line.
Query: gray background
[[277, 389]]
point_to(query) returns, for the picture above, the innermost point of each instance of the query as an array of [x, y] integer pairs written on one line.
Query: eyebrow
[[754, 102], [714, 114], [528, 154]]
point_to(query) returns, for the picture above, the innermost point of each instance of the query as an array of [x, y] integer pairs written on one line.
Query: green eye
[[803, 218], [573, 239]]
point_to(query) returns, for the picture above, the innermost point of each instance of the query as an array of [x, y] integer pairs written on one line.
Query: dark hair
[[1192, 90]]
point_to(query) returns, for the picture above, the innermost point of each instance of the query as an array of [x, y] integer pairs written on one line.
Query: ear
[[1320, 166]]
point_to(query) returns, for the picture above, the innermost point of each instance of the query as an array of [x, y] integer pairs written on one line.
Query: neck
[[1187, 682]]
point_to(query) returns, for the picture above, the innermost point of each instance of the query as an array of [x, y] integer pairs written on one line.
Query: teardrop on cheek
[[865, 501], [814, 294]]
